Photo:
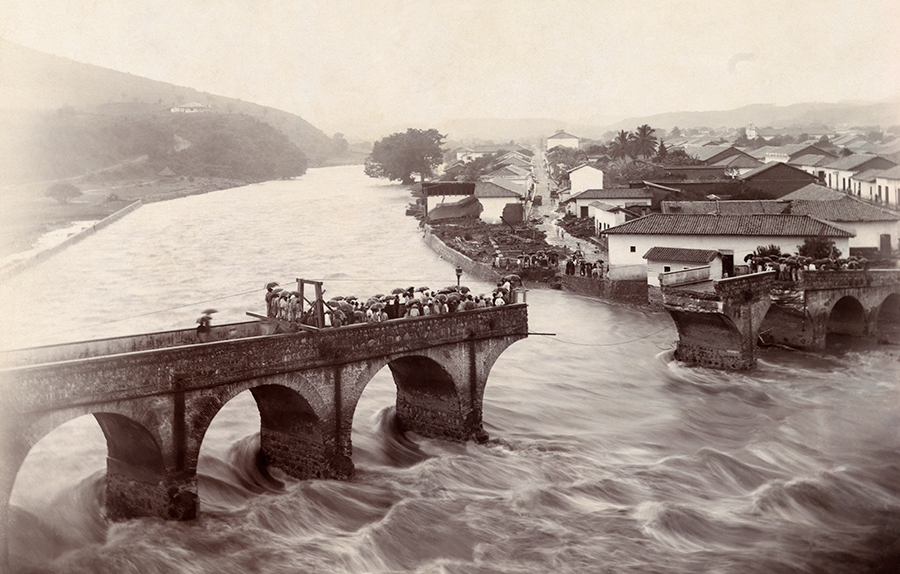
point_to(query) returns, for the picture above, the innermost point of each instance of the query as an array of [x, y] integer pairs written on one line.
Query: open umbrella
[[338, 298], [378, 306], [210, 311], [463, 289], [271, 284], [512, 277], [422, 289], [397, 290]]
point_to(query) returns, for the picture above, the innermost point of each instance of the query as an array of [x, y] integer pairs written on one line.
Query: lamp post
[[458, 274]]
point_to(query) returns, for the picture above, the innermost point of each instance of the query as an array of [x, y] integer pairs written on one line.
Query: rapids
[[606, 455]]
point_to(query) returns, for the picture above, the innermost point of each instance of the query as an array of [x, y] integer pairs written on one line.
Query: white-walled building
[[579, 205], [562, 139], [667, 259], [839, 173], [888, 182], [607, 215], [190, 108], [585, 177], [867, 222], [734, 236], [494, 196]]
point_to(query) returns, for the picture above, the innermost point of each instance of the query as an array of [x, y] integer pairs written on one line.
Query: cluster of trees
[[616, 158], [402, 155], [71, 143], [233, 146]]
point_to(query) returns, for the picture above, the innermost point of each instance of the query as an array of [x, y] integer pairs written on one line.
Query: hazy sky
[[354, 62]]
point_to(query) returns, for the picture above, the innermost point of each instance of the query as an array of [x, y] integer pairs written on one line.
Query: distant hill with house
[[38, 88]]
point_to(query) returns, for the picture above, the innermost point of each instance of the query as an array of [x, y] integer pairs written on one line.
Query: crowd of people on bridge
[[791, 267], [400, 303]]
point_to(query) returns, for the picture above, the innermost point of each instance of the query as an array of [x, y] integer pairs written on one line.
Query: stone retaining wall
[[20, 266]]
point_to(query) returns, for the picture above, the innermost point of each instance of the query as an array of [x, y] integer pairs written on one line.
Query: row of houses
[[648, 233], [868, 176], [511, 183]]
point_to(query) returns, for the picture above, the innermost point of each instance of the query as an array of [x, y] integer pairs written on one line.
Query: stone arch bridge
[[155, 395], [720, 322]]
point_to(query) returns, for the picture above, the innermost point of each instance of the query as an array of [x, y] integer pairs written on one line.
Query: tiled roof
[[509, 185], [811, 160], [738, 160], [893, 173], [491, 189], [705, 152], [730, 207], [850, 162], [868, 175], [815, 192], [562, 135], [614, 193], [579, 166], [680, 254], [763, 168], [845, 209], [752, 225]]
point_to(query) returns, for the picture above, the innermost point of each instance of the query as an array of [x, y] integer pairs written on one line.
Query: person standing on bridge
[[204, 325]]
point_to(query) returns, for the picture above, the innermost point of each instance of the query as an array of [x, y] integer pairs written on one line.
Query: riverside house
[[734, 236]]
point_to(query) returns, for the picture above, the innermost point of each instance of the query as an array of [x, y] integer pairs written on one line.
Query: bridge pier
[[718, 322]]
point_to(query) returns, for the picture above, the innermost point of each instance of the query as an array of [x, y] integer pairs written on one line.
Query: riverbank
[[27, 215]]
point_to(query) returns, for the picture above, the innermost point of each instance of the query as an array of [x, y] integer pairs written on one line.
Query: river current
[[606, 455]]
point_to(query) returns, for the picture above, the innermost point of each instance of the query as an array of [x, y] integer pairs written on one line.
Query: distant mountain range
[[837, 116], [32, 81]]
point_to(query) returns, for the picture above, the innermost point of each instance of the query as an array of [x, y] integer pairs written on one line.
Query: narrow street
[[549, 216]]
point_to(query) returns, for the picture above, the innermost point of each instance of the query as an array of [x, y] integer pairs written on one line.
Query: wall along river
[[606, 455]]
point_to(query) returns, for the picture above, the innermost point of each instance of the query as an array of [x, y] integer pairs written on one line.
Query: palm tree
[[644, 141], [621, 147]]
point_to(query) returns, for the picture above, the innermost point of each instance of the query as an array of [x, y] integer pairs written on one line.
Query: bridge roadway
[[154, 396], [719, 322]]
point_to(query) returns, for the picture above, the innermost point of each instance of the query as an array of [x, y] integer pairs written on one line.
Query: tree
[[400, 155], [676, 133], [818, 248], [63, 192], [661, 153], [644, 141], [620, 147]]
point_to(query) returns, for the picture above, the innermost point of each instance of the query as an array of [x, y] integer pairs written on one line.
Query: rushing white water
[[605, 454]]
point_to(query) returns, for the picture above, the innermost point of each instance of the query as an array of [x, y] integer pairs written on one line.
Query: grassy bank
[[26, 213]]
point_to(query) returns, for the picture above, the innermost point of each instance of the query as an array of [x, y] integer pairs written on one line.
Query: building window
[[666, 269], [633, 248]]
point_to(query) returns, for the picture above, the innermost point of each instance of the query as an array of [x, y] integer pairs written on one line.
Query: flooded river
[[605, 455]]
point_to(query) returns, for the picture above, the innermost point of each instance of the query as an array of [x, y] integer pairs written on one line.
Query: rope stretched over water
[[610, 344]]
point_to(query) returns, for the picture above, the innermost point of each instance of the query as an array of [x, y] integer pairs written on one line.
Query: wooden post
[[320, 305]]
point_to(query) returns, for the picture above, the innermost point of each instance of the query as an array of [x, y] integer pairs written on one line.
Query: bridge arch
[[889, 311], [293, 418], [847, 317]]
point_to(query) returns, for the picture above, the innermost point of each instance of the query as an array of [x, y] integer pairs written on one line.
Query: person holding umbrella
[[270, 294], [204, 325]]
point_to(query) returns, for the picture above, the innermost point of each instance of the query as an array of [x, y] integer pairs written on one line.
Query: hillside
[[37, 82], [837, 115]]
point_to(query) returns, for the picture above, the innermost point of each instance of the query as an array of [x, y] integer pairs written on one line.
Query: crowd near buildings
[[841, 187]]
